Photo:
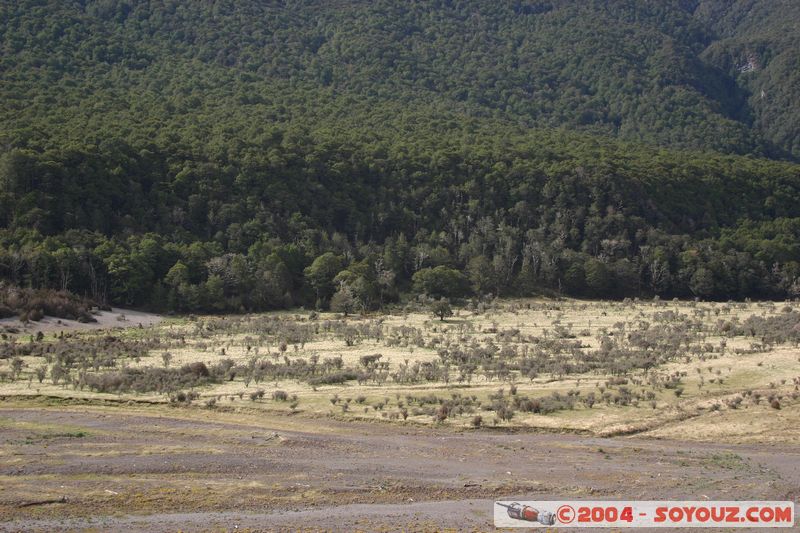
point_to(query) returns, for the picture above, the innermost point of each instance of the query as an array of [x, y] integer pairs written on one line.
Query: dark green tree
[[441, 309]]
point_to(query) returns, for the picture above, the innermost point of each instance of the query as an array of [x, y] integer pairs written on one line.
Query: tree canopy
[[259, 155]]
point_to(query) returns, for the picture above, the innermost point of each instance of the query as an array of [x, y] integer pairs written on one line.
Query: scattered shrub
[[280, 396]]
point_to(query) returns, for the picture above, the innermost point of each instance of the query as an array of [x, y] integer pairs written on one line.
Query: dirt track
[[159, 469]]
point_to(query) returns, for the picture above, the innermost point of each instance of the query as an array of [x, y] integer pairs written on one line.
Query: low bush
[[34, 304], [280, 396], [335, 378]]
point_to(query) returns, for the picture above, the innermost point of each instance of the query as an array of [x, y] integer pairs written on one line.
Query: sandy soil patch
[[116, 318]]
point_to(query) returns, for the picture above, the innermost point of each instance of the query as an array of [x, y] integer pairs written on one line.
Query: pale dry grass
[[409, 337]]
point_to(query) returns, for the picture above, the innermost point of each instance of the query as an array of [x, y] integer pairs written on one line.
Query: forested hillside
[[219, 155]]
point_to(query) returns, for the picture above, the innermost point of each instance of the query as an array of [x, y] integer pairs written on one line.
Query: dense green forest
[[220, 155]]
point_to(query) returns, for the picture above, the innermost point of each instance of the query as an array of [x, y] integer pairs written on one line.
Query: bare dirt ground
[[78, 458], [116, 318], [156, 468]]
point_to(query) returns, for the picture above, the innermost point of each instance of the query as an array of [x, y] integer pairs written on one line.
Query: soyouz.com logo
[[619, 514]]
